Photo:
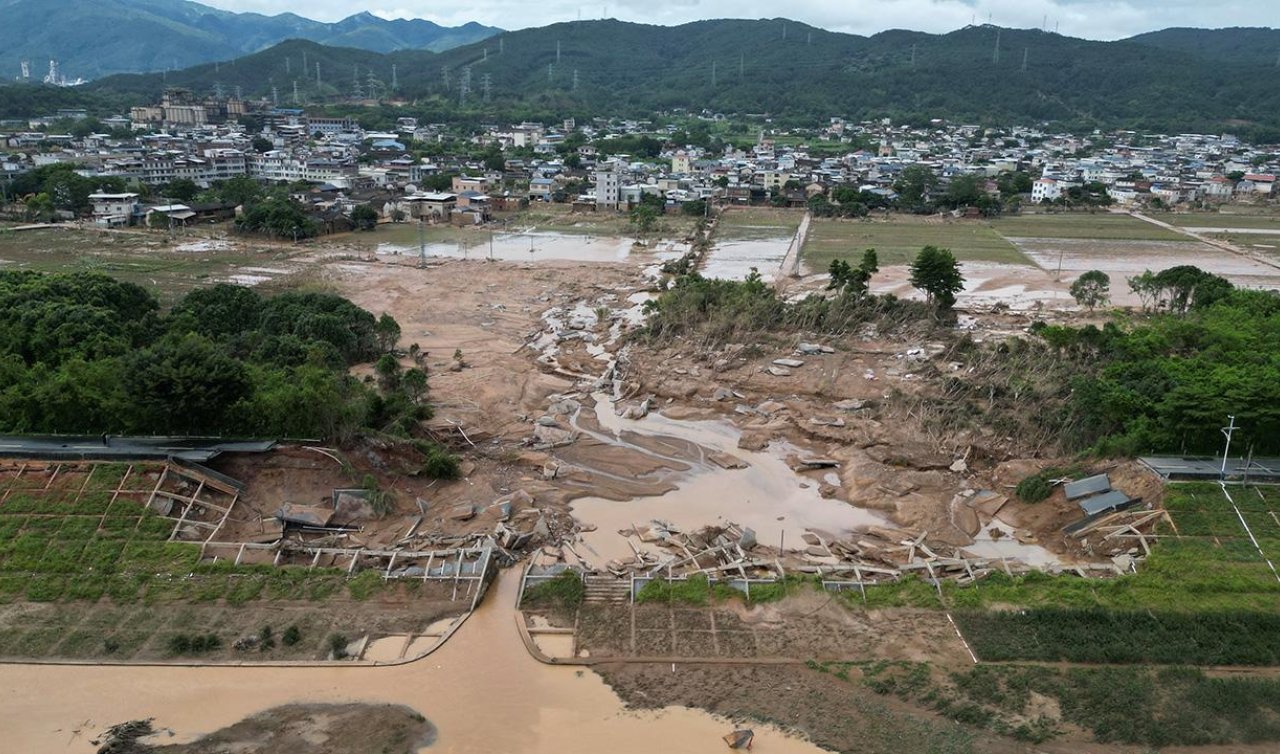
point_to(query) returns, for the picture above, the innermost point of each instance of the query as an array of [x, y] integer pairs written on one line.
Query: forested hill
[[1250, 45], [95, 38], [784, 68]]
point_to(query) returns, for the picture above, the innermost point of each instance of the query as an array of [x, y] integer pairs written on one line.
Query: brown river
[[482, 691]]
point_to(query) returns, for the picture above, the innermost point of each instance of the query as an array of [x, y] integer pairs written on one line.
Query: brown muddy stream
[[482, 691]]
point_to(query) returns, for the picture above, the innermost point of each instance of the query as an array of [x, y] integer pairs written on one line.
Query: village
[[418, 171]]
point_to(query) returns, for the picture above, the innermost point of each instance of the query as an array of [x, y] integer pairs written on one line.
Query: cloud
[[1091, 19]]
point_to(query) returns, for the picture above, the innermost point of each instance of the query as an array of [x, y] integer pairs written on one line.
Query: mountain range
[[94, 38], [1178, 80]]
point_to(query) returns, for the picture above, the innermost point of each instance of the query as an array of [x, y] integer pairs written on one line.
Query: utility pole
[[1227, 431], [422, 241]]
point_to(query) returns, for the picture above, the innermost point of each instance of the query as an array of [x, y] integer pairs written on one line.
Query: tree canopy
[[84, 353]]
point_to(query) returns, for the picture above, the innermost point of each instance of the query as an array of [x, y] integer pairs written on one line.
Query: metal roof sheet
[[1107, 501], [1088, 486]]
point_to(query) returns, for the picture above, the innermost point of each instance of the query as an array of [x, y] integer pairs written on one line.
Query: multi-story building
[[608, 186]]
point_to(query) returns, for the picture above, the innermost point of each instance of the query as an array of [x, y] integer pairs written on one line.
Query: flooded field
[[1123, 259], [481, 690], [747, 239]]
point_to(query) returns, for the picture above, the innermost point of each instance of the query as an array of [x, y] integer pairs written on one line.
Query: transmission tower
[[1026, 53], [486, 84], [575, 79], [239, 92], [395, 79], [713, 74], [557, 52], [318, 82], [549, 70], [217, 90], [445, 72], [464, 85], [995, 56], [355, 84], [296, 99]]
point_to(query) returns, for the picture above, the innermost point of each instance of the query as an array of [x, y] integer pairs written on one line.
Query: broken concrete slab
[[790, 363], [778, 371]]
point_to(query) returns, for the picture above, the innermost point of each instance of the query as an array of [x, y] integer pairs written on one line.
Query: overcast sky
[[1093, 19]]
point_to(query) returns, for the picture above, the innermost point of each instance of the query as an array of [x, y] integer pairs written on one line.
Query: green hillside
[[96, 38], [785, 69], [1248, 45]]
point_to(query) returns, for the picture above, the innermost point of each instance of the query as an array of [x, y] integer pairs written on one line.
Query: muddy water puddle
[[766, 495], [734, 260], [482, 691], [537, 246]]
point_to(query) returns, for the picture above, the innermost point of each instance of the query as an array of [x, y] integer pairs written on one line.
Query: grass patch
[[899, 239], [1101, 226], [1111, 636], [566, 590]]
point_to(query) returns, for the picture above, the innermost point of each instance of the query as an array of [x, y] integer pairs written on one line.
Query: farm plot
[[87, 569], [899, 239], [1205, 596]]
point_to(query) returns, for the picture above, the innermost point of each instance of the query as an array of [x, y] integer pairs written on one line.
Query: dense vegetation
[[909, 76], [714, 311], [81, 352], [1169, 381]]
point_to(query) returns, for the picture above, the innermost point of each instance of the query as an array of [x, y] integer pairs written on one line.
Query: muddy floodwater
[[766, 496], [482, 691], [534, 246]]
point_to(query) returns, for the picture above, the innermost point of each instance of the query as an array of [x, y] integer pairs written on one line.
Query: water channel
[[482, 691]]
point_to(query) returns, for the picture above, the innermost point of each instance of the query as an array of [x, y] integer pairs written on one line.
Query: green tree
[[936, 273], [914, 186], [262, 144], [181, 190], [388, 332], [365, 217], [644, 218], [185, 384], [1092, 289]]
